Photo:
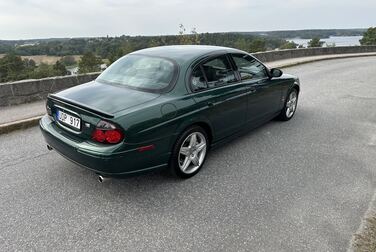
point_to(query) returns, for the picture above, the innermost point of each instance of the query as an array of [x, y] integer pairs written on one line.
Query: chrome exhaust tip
[[49, 147], [102, 179]]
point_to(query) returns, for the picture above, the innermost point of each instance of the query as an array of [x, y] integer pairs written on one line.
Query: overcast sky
[[23, 19]]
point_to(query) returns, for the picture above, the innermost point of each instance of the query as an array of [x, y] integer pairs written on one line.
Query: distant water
[[337, 40]]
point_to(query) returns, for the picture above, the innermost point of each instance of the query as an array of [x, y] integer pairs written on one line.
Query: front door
[[222, 94], [264, 94]]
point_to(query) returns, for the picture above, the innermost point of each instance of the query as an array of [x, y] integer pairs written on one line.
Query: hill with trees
[[310, 33], [107, 47]]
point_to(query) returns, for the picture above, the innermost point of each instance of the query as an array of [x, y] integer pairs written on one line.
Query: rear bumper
[[105, 162]]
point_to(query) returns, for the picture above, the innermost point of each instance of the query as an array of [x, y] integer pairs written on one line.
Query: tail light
[[106, 132]]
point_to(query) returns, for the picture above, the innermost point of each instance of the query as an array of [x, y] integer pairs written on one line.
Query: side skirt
[[246, 129]]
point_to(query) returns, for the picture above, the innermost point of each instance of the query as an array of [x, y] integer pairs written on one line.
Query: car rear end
[[91, 138], [108, 125]]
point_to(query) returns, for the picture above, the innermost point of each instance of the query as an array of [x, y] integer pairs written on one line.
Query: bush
[[315, 42], [289, 45], [369, 37]]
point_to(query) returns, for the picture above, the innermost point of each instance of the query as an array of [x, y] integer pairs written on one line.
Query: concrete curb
[[361, 240], [33, 121], [20, 124]]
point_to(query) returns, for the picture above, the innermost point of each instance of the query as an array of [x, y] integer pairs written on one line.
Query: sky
[[26, 19]]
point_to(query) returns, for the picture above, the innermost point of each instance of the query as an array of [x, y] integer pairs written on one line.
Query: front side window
[[248, 67], [141, 72], [218, 71], [212, 73]]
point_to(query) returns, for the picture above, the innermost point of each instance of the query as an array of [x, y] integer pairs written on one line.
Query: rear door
[[219, 90], [264, 94]]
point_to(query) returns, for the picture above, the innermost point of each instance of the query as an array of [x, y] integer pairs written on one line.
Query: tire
[[189, 152], [290, 106]]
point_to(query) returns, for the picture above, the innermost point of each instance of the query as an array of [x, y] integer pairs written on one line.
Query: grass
[[50, 60], [365, 239]]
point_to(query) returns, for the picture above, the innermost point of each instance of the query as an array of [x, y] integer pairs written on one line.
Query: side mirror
[[275, 72]]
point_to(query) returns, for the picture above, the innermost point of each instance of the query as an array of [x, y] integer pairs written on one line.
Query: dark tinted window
[[248, 67], [218, 71]]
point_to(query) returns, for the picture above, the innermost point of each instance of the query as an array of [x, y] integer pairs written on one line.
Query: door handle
[[210, 104]]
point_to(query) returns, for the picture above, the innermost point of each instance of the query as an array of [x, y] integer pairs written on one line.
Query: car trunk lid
[[105, 99], [89, 103]]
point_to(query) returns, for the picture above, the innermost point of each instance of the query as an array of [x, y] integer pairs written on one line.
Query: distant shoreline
[[331, 40]]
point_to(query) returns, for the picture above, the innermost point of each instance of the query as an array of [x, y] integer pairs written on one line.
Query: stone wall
[[19, 92]]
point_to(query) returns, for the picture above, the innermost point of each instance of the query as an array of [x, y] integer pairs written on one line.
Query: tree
[[59, 69], [289, 45], [315, 42], [89, 63], [369, 37], [29, 63], [183, 38], [241, 44], [42, 71], [188, 39], [195, 36], [11, 68], [257, 45], [115, 55]]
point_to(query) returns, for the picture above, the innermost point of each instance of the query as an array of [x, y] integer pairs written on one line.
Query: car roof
[[185, 53]]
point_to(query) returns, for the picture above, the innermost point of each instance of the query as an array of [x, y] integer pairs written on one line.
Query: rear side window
[[213, 73], [248, 67], [198, 80]]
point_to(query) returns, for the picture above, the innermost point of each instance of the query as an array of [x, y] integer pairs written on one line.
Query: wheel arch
[[296, 86], [205, 124], [207, 129]]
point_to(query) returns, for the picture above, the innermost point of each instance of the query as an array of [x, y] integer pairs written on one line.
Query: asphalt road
[[301, 185]]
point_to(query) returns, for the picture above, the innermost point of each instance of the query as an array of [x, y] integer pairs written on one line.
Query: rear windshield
[[153, 74]]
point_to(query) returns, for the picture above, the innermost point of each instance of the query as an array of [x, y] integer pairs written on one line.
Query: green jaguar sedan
[[165, 107]]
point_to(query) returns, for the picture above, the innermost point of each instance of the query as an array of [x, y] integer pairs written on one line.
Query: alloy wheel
[[291, 104], [192, 152]]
